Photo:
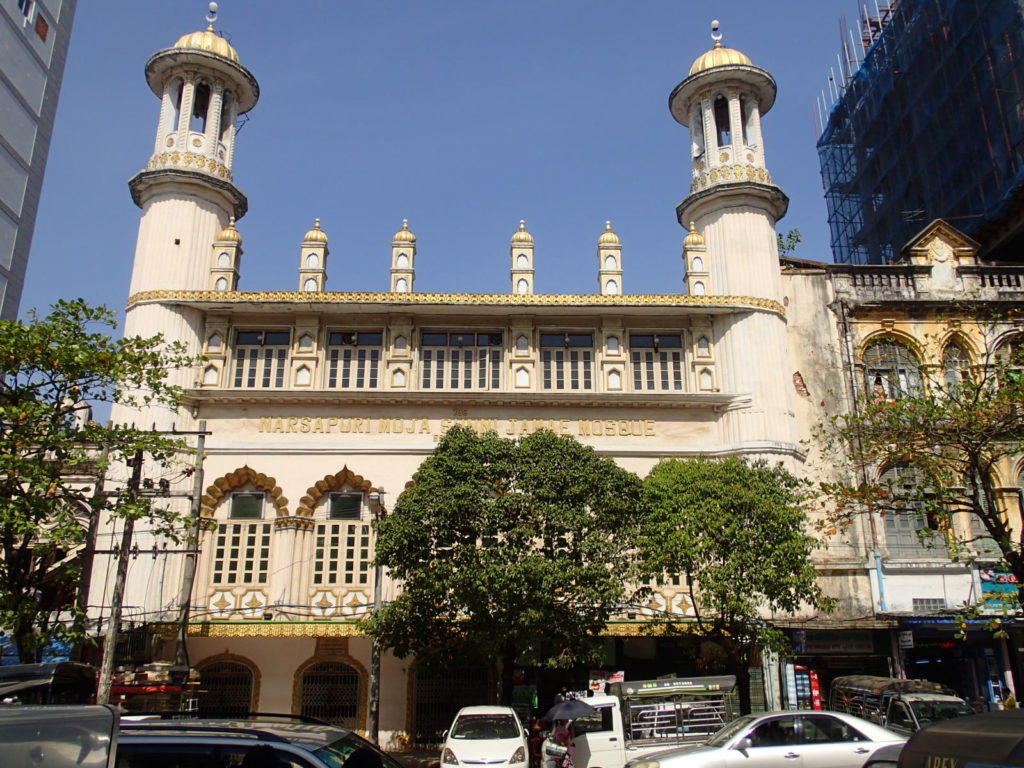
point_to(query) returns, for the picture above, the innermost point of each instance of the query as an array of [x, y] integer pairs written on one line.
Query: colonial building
[[320, 405]]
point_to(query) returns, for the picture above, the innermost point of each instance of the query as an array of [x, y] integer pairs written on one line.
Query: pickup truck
[[903, 706], [638, 718]]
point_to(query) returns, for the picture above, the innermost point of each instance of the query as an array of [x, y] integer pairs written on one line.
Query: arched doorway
[[440, 693], [330, 692], [226, 688]]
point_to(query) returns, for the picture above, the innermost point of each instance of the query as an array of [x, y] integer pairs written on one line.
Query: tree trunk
[[507, 667], [742, 673], [25, 637]]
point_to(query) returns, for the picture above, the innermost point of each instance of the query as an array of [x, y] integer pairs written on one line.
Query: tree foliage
[[787, 243], [737, 531], [55, 369], [957, 430], [507, 548]]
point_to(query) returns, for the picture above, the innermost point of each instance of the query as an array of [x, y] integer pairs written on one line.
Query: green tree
[[507, 549], [951, 432], [55, 369], [738, 532], [788, 242]]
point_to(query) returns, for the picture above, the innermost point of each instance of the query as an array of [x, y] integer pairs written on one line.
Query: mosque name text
[[507, 427]]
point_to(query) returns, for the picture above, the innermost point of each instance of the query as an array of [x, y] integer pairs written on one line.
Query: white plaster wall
[[901, 587], [742, 251]]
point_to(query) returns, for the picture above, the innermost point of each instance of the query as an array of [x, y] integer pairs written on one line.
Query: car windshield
[[485, 727], [930, 711], [351, 751], [737, 725]]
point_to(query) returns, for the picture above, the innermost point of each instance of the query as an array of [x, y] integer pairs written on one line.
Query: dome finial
[[715, 34], [316, 234], [211, 16], [608, 237], [404, 235], [521, 235]]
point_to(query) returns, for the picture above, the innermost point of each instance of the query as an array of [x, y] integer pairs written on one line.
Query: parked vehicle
[[806, 739], [58, 736], [486, 735], [988, 740], [641, 717], [56, 682], [903, 706], [93, 737]]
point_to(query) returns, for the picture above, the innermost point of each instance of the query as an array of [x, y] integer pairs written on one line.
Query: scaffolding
[[929, 125]]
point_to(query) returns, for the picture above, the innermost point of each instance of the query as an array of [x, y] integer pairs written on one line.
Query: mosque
[[318, 406]]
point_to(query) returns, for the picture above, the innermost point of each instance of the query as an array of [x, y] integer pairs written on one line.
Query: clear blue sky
[[463, 116]]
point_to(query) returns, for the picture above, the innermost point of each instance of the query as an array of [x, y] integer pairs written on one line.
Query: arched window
[[226, 689], [609, 261], [697, 264], [1010, 359], [312, 260], [402, 262], [522, 261], [221, 284], [224, 259], [342, 553], [611, 288], [696, 133], [401, 285], [200, 106], [955, 366], [310, 285], [891, 370], [744, 119], [522, 286], [613, 344], [910, 532], [330, 692], [176, 91], [225, 115], [722, 121], [699, 289]]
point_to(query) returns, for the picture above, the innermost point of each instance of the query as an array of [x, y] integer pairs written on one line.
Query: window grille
[[909, 533], [246, 506], [241, 553], [353, 359], [461, 360], [330, 692], [225, 689], [567, 360], [657, 361], [261, 358], [345, 506], [928, 604]]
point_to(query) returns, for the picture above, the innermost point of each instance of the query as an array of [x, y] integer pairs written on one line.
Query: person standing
[[1009, 701]]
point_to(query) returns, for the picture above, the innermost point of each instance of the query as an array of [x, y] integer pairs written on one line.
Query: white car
[[485, 735], [804, 739]]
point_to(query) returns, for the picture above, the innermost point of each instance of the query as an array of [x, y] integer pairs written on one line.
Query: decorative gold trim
[[222, 486], [315, 493], [275, 629], [472, 299]]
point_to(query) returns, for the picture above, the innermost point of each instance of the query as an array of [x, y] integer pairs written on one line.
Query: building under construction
[[927, 121]]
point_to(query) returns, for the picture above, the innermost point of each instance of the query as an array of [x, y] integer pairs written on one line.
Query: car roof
[[485, 709], [309, 735]]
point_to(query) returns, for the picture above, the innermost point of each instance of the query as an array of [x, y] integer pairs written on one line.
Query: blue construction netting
[[930, 126]]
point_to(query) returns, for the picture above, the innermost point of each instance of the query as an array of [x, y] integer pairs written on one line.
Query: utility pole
[[373, 715], [89, 554], [110, 643], [181, 661]]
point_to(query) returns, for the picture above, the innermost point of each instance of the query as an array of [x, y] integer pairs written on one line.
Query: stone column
[[185, 115], [213, 122]]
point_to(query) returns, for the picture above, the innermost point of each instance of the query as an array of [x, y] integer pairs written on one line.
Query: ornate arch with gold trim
[[241, 477], [346, 478]]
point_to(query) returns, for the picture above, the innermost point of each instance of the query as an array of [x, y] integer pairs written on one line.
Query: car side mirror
[[743, 745]]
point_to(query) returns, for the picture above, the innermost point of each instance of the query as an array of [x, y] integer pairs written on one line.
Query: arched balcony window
[[910, 532], [722, 128], [225, 115], [891, 370], [956, 365], [175, 92], [200, 107]]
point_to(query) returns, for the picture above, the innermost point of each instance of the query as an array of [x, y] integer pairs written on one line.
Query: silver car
[[806, 739]]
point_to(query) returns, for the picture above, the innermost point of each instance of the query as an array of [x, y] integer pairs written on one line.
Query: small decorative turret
[[313, 260], [609, 262], [698, 281], [521, 251], [403, 260], [227, 259]]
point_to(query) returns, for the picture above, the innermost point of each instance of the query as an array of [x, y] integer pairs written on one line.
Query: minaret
[[698, 281], [187, 194], [609, 262], [227, 259], [403, 260], [521, 250], [313, 261], [732, 203]]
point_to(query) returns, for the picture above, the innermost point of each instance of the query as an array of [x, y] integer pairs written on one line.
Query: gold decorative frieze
[[469, 299], [191, 161], [275, 629], [736, 172]]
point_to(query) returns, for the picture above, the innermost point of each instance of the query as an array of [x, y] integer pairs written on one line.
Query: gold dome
[[694, 238], [521, 235], [719, 56], [209, 41], [315, 235], [608, 237], [230, 234], [404, 235]]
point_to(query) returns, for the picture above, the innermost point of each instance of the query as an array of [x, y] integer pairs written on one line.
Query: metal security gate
[[330, 692], [440, 694], [226, 689]]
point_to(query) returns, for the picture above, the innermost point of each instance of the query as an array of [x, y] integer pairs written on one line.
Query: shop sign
[[906, 639], [998, 591]]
